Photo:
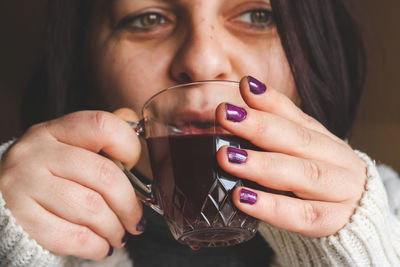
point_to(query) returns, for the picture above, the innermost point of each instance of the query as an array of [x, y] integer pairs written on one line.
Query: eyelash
[[160, 19], [248, 15], [136, 22]]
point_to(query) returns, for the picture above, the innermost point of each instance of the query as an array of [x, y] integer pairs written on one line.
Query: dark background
[[376, 132]]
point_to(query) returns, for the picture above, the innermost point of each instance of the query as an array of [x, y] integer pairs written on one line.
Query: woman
[[72, 201]]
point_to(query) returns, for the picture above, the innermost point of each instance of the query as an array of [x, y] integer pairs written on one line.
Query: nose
[[201, 56]]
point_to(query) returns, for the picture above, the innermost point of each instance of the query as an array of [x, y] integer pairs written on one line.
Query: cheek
[[279, 75], [267, 61], [128, 75]]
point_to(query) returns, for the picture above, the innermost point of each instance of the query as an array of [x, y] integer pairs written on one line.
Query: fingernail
[[141, 226], [125, 238], [247, 196], [256, 87], [110, 251], [236, 155], [235, 114]]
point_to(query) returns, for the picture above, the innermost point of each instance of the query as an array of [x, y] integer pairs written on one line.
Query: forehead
[[157, 1], [166, 3], [185, 2]]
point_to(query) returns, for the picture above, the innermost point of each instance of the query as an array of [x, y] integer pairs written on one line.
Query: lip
[[195, 122]]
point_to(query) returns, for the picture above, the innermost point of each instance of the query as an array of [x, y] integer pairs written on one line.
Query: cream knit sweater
[[370, 238]]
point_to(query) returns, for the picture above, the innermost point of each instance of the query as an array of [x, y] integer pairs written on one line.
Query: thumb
[[127, 114]]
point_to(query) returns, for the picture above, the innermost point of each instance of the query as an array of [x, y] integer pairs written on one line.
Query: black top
[[156, 247]]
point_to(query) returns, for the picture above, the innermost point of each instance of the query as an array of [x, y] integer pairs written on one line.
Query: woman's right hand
[[64, 194]]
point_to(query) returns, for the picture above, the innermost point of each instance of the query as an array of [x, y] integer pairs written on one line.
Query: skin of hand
[[64, 194], [300, 156]]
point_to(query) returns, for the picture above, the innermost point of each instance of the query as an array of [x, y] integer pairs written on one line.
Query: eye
[[147, 21], [258, 18]]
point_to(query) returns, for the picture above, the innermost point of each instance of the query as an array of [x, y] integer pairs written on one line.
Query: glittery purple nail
[[141, 226], [125, 238], [247, 196], [110, 251], [256, 87], [236, 155], [234, 113]]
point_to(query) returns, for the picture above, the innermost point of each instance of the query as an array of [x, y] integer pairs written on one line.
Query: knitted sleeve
[[16, 248], [370, 238]]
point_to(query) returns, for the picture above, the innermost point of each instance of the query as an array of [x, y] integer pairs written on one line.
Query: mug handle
[[145, 190]]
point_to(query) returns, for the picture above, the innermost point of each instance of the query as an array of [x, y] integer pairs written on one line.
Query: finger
[[97, 131], [310, 218], [57, 235], [126, 114], [101, 175], [265, 98], [273, 133], [307, 179], [80, 205]]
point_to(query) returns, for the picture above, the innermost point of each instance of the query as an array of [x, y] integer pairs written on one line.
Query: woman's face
[[139, 47]]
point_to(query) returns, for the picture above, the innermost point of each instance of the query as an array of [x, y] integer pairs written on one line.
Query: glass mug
[[189, 188]]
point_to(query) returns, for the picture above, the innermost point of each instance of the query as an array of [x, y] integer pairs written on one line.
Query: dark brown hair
[[326, 55], [321, 40]]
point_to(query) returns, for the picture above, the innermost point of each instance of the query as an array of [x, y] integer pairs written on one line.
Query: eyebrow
[[166, 1]]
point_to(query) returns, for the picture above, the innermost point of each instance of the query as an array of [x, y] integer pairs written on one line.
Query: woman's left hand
[[301, 156]]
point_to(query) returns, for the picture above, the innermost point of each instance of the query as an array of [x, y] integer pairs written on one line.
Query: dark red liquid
[[189, 184]]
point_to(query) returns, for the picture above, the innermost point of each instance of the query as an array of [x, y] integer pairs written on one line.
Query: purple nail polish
[[247, 196], [236, 155], [235, 114], [141, 226], [256, 87], [125, 238], [110, 251]]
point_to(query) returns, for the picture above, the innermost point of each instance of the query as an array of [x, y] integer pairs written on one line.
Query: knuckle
[[17, 158], [309, 215], [311, 171], [94, 202], [81, 236], [14, 165], [26, 146], [37, 128], [307, 220], [102, 121], [304, 136], [107, 172], [16, 152]]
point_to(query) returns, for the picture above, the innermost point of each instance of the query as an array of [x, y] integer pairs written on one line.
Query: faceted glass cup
[[189, 188]]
